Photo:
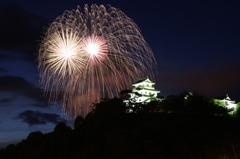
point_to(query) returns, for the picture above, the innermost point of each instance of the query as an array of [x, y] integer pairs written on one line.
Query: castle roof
[[143, 80], [139, 89]]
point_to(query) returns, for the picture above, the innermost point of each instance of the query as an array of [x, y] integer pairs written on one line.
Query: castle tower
[[143, 92], [228, 103]]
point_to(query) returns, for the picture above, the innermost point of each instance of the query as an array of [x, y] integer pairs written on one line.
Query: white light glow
[[95, 47], [92, 48], [67, 52]]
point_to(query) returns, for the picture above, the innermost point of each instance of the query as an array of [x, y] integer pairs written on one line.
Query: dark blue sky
[[195, 43]]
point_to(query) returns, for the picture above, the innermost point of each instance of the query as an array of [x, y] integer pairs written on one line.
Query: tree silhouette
[[78, 122], [124, 94], [237, 110], [191, 131], [173, 103], [110, 109]]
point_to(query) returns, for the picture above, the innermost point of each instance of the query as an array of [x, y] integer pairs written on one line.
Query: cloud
[[5, 144], [38, 118], [42, 104], [3, 57], [19, 86], [6, 100], [20, 30], [2, 70]]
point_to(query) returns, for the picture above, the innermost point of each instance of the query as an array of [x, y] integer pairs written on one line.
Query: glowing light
[[227, 103], [95, 47], [60, 53], [67, 52], [93, 54], [92, 48]]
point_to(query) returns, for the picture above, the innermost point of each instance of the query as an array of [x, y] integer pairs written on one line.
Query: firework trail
[[92, 53]]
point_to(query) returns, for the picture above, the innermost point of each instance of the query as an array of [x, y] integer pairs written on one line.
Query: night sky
[[196, 46]]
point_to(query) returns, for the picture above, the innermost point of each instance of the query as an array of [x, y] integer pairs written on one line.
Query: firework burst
[[92, 53], [95, 48]]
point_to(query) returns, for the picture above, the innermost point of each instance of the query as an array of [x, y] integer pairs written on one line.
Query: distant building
[[142, 92], [228, 103]]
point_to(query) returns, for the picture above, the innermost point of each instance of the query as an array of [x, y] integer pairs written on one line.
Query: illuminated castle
[[142, 92], [229, 104]]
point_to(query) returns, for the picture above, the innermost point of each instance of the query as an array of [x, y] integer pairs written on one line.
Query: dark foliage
[[237, 112], [108, 132], [78, 122], [124, 94], [191, 103]]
